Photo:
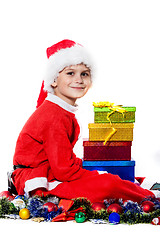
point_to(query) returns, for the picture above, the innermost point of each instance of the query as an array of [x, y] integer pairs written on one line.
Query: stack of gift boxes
[[110, 139]]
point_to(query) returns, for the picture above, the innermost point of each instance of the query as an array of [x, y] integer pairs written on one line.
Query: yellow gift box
[[103, 131]]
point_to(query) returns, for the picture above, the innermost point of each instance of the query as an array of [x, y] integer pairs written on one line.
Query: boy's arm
[[61, 158]]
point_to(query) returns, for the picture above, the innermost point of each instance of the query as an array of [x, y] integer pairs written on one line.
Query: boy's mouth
[[78, 87]]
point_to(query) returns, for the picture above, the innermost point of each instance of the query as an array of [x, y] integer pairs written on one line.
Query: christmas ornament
[[97, 206], [38, 219], [156, 221], [140, 179], [6, 194], [147, 206], [114, 207], [80, 217], [114, 218], [67, 215], [65, 204], [19, 203], [24, 213], [21, 197], [156, 186], [50, 206]]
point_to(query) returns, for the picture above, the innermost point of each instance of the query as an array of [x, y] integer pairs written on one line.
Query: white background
[[124, 40]]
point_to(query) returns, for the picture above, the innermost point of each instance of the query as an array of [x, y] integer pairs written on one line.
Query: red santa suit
[[45, 150]]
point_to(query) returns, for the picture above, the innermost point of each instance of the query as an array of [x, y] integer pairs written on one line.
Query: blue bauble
[[114, 218]]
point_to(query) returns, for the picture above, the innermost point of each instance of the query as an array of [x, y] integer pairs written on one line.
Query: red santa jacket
[[45, 147]]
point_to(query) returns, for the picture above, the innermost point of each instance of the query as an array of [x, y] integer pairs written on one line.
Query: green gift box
[[101, 114]]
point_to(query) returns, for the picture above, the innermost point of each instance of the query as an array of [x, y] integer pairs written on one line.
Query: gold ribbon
[[110, 135], [113, 108]]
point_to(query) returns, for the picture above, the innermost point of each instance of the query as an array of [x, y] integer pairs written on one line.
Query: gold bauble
[[24, 213]]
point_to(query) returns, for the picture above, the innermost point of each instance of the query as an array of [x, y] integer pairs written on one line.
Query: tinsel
[[35, 206], [132, 211]]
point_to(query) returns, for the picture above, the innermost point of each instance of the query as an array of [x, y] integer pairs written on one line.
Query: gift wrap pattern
[[110, 139], [125, 169], [111, 151], [99, 131], [100, 115]]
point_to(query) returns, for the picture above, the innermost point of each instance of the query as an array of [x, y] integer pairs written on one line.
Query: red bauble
[[147, 206], [97, 206], [115, 207], [6, 194], [50, 206]]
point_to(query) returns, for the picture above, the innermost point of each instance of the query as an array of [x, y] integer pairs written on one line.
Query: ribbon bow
[[67, 214], [111, 106]]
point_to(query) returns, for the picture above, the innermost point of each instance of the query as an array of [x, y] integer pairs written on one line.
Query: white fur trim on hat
[[74, 55]]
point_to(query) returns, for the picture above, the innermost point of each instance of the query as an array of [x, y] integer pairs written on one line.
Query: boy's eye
[[70, 73], [85, 74]]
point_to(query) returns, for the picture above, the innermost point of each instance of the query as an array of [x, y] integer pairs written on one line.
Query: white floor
[[27, 229]]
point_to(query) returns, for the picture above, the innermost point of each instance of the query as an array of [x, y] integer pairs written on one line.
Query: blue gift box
[[124, 169]]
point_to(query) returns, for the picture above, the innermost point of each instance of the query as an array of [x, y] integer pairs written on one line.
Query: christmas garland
[[80, 209], [132, 212]]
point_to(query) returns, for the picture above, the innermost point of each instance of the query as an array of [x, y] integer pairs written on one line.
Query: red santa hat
[[61, 55]]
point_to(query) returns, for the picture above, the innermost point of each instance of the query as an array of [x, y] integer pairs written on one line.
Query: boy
[[44, 161]]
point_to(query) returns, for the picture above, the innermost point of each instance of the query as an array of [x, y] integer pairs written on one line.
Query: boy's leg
[[98, 188]]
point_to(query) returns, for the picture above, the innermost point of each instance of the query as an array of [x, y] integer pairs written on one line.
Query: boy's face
[[72, 83]]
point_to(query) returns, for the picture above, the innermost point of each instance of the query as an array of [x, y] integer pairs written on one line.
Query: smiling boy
[[72, 83], [44, 161]]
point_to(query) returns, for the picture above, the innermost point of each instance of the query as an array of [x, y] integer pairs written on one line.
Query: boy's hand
[[78, 161]]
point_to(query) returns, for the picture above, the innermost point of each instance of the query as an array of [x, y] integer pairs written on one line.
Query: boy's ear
[[54, 84]]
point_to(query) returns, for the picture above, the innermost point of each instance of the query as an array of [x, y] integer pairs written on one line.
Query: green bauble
[[80, 217]]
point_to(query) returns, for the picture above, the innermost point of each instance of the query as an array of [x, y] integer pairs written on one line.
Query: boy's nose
[[79, 79]]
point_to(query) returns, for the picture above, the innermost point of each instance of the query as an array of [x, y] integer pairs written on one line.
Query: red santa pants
[[97, 188]]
